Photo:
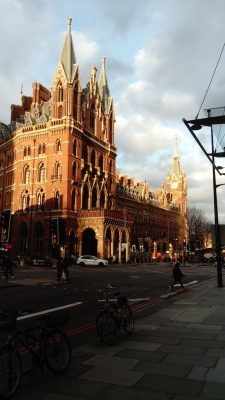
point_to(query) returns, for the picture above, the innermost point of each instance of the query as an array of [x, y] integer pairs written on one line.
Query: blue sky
[[160, 57]]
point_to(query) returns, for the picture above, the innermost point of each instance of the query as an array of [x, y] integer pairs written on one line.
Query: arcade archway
[[89, 242]]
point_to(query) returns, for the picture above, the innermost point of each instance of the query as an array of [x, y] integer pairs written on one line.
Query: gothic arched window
[[74, 147], [60, 92], [42, 174], [26, 179], [58, 171], [100, 162], [73, 200], [93, 158], [92, 117], [60, 112], [58, 145], [74, 168], [57, 200]]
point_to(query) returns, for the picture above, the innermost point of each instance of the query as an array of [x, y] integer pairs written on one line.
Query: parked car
[[39, 260], [92, 260]]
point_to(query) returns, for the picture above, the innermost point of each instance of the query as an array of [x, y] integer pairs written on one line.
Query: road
[[144, 285]]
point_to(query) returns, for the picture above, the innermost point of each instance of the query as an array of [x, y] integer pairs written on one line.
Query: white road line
[[49, 311], [134, 276]]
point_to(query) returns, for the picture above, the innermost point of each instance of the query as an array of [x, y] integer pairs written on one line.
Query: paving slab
[[217, 374], [169, 385], [94, 348], [198, 373], [121, 393], [191, 359], [55, 396], [219, 353], [182, 349], [160, 368], [212, 344], [146, 327], [206, 327], [154, 356], [111, 362], [141, 345], [215, 391], [118, 376]]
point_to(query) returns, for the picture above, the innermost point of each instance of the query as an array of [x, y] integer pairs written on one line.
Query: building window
[[43, 148], [42, 174], [92, 117], [25, 152], [74, 147], [60, 112], [39, 150], [28, 151], [57, 200], [60, 92], [26, 179], [58, 171], [58, 145], [74, 168], [73, 200], [25, 202], [41, 201]]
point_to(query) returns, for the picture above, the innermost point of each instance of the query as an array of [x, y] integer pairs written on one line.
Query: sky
[[160, 58]]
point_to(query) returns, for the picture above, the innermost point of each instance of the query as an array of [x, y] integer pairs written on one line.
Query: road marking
[[134, 276], [49, 311]]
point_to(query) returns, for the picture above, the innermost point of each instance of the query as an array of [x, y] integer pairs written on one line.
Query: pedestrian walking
[[177, 275], [7, 264], [62, 269]]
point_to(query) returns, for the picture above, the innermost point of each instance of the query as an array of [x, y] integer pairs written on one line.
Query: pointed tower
[[177, 183], [107, 103], [66, 87]]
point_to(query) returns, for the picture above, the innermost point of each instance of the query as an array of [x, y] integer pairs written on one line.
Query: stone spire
[[67, 57], [103, 86], [176, 160]]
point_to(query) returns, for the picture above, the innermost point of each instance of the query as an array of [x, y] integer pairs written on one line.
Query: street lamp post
[[197, 124], [217, 227]]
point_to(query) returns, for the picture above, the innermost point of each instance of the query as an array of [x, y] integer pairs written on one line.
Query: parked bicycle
[[46, 343], [113, 316]]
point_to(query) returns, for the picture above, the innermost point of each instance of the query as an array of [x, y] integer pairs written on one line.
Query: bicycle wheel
[[127, 319], [57, 351], [10, 372], [107, 327]]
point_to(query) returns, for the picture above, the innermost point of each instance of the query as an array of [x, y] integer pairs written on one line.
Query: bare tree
[[199, 228]]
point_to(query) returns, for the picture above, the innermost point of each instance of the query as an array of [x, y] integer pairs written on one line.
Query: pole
[[217, 228]]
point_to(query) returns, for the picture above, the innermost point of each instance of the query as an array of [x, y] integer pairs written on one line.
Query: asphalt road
[[144, 285]]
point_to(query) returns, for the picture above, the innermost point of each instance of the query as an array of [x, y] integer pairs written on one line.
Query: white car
[[92, 260]]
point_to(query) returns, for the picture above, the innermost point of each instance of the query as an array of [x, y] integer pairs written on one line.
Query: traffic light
[[5, 225], [53, 230], [3, 219]]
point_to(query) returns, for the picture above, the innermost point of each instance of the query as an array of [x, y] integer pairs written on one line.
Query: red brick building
[[58, 174]]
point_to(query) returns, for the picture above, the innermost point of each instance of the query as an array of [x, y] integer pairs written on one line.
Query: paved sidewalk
[[177, 353]]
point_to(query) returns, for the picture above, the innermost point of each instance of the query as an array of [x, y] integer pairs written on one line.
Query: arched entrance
[[89, 242]]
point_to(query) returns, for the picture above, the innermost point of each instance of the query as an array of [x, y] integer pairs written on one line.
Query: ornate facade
[[58, 164]]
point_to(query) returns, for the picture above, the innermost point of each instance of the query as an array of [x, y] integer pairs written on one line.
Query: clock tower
[[177, 183]]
